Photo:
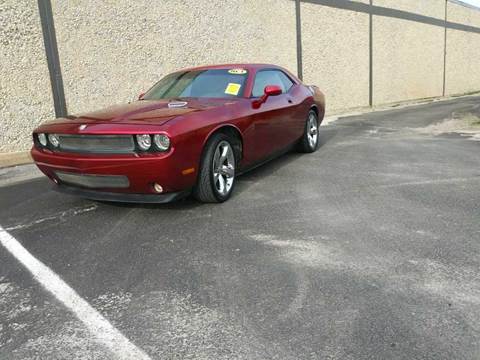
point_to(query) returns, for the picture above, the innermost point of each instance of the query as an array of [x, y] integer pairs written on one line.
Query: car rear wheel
[[216, 178], [309, 141]]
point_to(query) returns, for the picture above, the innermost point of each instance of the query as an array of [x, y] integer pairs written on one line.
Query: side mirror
[[270, 90], [140, 97]]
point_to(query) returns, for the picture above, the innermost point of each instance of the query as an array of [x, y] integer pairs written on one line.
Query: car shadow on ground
[[262, 172], [244, 181]]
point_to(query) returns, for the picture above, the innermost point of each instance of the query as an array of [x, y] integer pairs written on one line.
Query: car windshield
[[215, 83]]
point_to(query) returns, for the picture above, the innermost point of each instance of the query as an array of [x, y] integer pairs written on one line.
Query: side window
[[270, 77]]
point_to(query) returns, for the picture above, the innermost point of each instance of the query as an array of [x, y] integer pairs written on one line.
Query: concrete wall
[[407, 55], [463, 52], [25, 96], [111, 50], [336, 54]]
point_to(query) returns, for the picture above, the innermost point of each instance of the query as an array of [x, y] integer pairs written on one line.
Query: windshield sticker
[[237, 71], [232, 89]]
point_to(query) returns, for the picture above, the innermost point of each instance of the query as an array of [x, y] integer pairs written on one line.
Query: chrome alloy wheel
[[223, 167], [312, 130]]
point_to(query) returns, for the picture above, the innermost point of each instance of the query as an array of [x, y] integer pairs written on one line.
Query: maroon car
[[192, 132]]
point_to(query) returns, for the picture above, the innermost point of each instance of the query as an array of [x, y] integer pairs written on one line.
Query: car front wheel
[[216, 178]]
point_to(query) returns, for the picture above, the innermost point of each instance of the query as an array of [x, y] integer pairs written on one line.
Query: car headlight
[[54, 140], [162, 142], [42, 138], [144, 142]]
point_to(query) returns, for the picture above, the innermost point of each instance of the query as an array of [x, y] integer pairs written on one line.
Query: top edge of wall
[[457, 2], [461, 3]]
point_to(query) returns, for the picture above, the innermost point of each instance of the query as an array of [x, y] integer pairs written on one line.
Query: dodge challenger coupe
[[193, 132]]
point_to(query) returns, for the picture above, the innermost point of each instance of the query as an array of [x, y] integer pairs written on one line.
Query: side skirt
[[274, 155]]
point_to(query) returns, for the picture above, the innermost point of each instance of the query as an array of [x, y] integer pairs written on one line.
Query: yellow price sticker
[[233, 89]]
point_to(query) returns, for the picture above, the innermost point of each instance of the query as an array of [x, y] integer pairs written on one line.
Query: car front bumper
[[124, 178]]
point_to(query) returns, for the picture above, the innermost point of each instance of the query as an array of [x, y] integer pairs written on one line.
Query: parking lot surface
[[367, 249]]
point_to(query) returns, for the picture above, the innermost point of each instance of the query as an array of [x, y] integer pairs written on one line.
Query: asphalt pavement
[[367, 249]]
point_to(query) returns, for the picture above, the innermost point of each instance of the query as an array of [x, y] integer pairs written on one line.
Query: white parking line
[[99, 327]]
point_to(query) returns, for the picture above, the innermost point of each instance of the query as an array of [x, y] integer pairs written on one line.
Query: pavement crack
[[432, 182], [58, 216], [297, 303]]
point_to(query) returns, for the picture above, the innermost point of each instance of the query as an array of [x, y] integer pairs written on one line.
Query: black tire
[[305, 144], [206, 188]]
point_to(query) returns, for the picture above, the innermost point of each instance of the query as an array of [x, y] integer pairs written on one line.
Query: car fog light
[[158, 188], [144, 142], [54, 140], [42, 138], [162, 142]]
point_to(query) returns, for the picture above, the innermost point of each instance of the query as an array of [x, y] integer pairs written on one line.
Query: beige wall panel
[[112, 50], [463, 52], [25, 95], [335, 54], [463, 62], [407, 60], [433, 8]]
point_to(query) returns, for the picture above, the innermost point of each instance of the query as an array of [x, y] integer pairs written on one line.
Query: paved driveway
[[367, 249]]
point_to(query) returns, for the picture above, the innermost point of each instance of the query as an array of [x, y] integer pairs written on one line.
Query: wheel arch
[[319, 111], [229, 130]]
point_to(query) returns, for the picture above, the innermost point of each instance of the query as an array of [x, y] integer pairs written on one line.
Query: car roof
[[248, 66]]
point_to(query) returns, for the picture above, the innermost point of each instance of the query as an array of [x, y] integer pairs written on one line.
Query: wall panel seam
[[370, 55], [298, 20], [53, 61], [445, 50]]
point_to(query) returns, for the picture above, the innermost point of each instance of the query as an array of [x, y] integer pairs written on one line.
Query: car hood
[[153, 112]]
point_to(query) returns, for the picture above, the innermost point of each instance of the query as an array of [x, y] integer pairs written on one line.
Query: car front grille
[[94, 181], [96, 143]]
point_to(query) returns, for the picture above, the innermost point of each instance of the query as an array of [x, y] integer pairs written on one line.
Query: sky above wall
[[472, 2]]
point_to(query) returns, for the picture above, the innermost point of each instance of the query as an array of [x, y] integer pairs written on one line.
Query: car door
[[296, 116], [274, 117]]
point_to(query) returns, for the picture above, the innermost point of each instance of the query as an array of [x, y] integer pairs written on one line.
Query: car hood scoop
[[177, 104]]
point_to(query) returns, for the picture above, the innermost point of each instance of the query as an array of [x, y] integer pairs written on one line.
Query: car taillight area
[[103, 144]]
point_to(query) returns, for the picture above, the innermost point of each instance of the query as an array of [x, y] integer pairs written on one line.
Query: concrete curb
[[392, 106], [15, 158]]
